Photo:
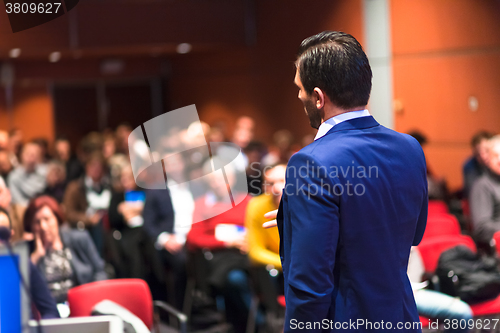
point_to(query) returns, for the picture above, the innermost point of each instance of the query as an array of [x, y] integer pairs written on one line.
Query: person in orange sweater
[[263, 243]]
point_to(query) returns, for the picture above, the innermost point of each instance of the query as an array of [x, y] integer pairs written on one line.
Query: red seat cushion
[[486, 308], [281, 301]]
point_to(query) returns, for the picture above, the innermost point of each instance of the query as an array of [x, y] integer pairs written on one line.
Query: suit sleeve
[[422, 218], [312, 219]]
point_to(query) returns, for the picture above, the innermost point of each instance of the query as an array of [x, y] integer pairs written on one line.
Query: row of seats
[[443, 233]]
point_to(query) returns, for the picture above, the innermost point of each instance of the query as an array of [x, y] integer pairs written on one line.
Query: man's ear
[[319, 97]]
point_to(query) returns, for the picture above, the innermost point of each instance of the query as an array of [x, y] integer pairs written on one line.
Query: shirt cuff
[[136, 221], [162, 239]]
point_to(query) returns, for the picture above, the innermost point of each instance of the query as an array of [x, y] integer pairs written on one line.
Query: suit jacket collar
[[353, 124]]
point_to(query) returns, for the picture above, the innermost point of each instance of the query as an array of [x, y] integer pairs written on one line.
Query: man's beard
[[313, 113]]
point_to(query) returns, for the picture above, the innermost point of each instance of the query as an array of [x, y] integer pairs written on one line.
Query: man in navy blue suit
[[354, 203]]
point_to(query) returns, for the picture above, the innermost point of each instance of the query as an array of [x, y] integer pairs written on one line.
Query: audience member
[[254, 152], [65, 257], [168, 216], [28, 179], [264, 243], [228, 264], [15, 212], [281, 151], [44, 149], [136, 251], [40, 294], [437, 187], [56, 181], [115, 161], [122, 133], [475, 166], [64, 154], [5, 164], [244, 131], [15, 145], [87, 199], [485, 196]]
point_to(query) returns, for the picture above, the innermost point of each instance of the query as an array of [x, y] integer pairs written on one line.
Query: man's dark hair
[[336, 63], [480, 136]]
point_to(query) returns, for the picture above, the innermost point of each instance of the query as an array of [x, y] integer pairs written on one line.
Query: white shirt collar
[[330, 122]]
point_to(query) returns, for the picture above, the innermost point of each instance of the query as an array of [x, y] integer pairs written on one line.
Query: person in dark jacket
[[66, 258], [40, 294], [136, 251]]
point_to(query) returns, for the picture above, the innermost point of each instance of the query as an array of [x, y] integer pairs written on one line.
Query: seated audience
[[44, 303], [484, 197], [475, 166], [228, 264], [5, 164], [56, 181], [433, 304], [28, 179], [15, 212], [168, 216], [87, 199], [44, 149], [135, 250], [15, 145], [437, 187], [65, 257], [264, 243], [63, 154]]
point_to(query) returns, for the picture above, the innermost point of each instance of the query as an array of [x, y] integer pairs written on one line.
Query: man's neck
[[333, 111]]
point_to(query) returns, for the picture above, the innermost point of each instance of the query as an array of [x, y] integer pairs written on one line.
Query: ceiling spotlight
[[184, 48], [55, 56], [14, 53]]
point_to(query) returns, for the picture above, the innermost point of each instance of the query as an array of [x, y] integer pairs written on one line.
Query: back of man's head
[[335, 62]]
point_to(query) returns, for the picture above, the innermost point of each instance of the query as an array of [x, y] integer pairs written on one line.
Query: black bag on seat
[[464, 274]]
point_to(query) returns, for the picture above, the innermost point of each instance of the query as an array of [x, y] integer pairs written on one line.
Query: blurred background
[[106, 62]]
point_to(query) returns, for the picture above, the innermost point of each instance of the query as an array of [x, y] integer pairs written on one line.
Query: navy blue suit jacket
[[354, 203], [158, 213]]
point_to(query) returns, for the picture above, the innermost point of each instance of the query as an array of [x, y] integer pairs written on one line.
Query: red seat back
[[431, 248], [437, 207], [132, 294], [496, 238], [441, 225]]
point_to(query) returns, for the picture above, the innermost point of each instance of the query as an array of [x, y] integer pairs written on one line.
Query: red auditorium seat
[[437, 207], [496, 238], [431, 248], [132, 294], [441, 225], [490, 307]]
